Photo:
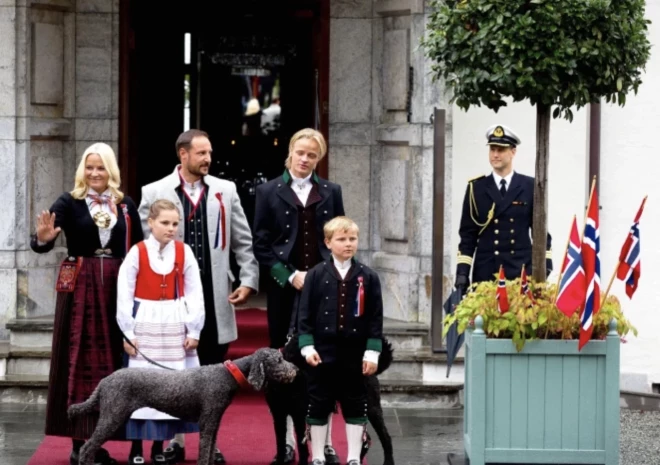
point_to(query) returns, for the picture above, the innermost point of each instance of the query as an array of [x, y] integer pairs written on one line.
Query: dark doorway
[[220, 67]]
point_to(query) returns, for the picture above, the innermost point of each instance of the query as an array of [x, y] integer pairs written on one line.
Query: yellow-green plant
[[526, 321]]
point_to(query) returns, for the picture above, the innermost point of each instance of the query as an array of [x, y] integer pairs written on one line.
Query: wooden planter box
[[547, 404]]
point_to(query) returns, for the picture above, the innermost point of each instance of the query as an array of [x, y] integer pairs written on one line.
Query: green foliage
[[524, 321], [560, 53]]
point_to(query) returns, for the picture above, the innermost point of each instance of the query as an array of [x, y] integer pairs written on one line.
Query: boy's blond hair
[[339, 223]]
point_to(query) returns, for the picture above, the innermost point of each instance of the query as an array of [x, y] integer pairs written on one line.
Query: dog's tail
[[87, 406], [385, 358]]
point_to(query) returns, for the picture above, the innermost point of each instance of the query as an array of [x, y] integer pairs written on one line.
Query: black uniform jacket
[[323, 323], [497, 231], [276, 222], [82, 234]]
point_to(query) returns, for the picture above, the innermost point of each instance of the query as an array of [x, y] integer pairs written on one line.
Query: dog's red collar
[[237, 374]]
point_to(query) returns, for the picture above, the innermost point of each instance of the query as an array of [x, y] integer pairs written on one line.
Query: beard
[[198, 170]]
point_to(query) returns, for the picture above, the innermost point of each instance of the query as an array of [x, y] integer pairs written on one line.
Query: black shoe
[[218, 458], [330, 455], [159, 459], [174, 453], [289, 456], [136, 460]]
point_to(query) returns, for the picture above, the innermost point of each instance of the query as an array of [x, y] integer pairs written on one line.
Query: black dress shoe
[[289, 456], [159, 459], [136, 460], [330, 455], [218, 458], [102, 458], [174, 453]]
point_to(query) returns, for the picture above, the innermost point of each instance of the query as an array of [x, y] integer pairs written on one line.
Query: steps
[[416, 378]]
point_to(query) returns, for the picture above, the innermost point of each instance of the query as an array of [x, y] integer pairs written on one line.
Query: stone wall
[[59, 69], [381, 101]]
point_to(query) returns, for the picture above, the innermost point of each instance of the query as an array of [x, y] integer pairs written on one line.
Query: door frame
[[126, 143]]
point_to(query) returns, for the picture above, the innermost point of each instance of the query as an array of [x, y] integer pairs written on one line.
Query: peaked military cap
[[502, 136]]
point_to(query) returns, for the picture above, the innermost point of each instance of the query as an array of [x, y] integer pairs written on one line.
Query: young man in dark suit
[[340, 326], [290, 212]]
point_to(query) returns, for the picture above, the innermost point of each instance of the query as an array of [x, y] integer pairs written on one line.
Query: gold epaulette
[[477, 177]]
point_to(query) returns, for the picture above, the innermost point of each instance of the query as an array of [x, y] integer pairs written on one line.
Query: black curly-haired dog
[[291, 399]]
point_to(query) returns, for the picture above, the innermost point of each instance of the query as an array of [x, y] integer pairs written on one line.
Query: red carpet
[[246, 433]]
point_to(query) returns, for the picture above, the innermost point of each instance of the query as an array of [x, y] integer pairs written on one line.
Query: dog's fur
[[291, 400], [198, 395]]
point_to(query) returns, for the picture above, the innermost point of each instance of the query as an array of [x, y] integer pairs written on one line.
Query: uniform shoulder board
[[477, 177]]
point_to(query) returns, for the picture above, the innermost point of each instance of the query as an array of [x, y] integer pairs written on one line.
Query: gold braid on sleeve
[[473, 205]]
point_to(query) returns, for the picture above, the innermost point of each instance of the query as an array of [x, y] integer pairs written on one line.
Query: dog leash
[[144, 356]]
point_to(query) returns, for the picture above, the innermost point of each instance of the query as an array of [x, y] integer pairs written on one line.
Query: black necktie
[[503, 187]]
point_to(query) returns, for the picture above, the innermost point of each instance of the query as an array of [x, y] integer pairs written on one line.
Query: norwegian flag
[[629, 269], [502, 297], [591, 260], [359, 298], [573, 286], [524, 286]]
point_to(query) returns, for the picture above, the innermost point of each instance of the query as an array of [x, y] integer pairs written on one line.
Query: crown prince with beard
[[212, 223]]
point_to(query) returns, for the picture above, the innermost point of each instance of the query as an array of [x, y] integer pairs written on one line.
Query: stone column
[[59, 96], [402, 171]]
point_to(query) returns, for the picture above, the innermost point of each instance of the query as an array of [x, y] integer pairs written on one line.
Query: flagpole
[[618, 264], [586, 213], [561, 272]]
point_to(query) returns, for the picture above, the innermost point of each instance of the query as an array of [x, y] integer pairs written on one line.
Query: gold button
[[512, 231], [513, 241], [497, 231], [496, 242], [497, 252], [496, 221], [511, 219], [513, 252]]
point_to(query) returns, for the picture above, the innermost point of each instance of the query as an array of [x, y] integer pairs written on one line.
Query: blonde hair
[[307, 133], [339, 223], [159, 206], [107, 155]]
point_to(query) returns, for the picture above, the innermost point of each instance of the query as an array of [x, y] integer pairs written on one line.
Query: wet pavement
[[419, 436]]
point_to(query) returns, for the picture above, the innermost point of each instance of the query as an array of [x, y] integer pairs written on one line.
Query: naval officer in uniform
[[496, 221]]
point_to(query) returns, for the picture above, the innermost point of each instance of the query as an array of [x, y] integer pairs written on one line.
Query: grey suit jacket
[[239, 240]]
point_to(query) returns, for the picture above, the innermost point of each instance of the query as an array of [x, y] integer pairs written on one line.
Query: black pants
[[338, 381], [209, 351], [280, 308]]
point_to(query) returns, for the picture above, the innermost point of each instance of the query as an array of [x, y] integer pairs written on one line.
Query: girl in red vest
[[160, 309]]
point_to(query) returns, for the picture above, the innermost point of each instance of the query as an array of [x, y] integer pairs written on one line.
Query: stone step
[[418, 394], [404, 335], [422, 365], [23, 389], [31, 332], [28, 360]]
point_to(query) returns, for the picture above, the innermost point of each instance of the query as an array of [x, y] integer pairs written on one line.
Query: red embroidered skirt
[[87, 346]]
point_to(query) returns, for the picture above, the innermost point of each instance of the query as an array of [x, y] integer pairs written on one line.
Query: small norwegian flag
[[221, 224], [524, 286], [502, 296], [359, 299]]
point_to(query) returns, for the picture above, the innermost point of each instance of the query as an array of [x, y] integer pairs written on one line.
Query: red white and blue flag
[[591, 261], [629, 269], [502, 297], [573, 285], [524, 286]]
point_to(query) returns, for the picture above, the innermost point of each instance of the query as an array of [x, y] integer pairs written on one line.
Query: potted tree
[[531, 396]]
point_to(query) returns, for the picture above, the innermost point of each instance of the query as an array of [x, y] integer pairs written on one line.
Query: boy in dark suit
[[340, 323]]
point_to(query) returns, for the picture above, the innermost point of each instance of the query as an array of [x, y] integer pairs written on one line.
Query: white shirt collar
[[153, 244], [300, 181], [507, 178], [342, 265]]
